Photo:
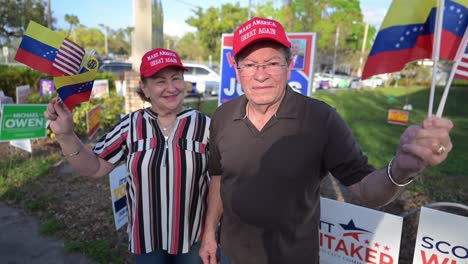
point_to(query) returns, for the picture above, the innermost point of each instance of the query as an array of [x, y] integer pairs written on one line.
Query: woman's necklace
[[166, 129]]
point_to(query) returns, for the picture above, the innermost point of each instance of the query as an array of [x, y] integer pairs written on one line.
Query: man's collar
[[287, 109]]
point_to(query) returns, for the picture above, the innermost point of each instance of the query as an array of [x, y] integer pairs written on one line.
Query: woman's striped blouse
[[168, 180]]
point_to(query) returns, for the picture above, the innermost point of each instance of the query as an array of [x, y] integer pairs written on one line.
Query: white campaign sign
[[355, 234], [22, 93], [442, 238], [100, 88], [118, 180], [24, 144]]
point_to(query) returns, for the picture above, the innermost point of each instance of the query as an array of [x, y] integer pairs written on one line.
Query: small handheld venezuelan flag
[[75, 89], [49, 52], [73, 68], [407, 34]]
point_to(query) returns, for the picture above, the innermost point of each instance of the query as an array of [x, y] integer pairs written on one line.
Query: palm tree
[[73, 21]]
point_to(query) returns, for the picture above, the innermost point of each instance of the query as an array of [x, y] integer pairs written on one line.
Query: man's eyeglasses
[[249, 69]]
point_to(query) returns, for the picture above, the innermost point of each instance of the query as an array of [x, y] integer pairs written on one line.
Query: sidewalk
[[20, 242]]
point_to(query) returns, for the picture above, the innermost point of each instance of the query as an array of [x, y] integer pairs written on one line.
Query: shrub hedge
[[112, 106]]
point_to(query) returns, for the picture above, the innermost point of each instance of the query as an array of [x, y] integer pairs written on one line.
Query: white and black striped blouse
[[168, 179]]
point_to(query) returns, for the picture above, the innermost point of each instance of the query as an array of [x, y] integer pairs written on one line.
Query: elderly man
[[270, 149]]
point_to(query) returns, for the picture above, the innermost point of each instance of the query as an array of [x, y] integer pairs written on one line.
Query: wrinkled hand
[[61, 119], [420, 145], [208, 250]]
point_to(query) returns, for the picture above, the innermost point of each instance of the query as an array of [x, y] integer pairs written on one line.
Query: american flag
[[69, 57], [459, 70], [462, 69]]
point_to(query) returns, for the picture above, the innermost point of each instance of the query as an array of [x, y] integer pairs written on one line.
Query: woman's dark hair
[[140, 92]]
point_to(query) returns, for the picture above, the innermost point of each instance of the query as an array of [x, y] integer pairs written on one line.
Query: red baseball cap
[[257, 29], [158, 59]]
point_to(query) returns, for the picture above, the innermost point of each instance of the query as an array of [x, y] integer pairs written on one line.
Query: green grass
[[207, 107], [100, 251], [17, 171], [51, 227]]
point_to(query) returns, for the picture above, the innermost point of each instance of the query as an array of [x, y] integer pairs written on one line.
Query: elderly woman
[[165, 149]]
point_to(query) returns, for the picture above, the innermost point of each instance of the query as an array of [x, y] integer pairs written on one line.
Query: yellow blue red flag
[[407, 33], [76, 89], [49, 52]]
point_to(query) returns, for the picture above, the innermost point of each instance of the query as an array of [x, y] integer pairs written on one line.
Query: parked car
[[116, 67], [340, 79], [321, 81], [205, 80]]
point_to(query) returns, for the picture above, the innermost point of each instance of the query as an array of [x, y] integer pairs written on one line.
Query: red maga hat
[[257, 29], [158, 59]]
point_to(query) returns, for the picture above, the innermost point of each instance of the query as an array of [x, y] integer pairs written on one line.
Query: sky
[[119, 13]]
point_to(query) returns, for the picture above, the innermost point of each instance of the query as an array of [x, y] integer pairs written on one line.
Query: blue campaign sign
[[303, 51]]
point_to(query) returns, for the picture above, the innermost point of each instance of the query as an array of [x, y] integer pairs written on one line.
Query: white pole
[[337, 38], [363, 48], [436, 51]]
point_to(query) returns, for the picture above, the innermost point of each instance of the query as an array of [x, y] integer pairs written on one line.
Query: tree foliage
[[72, 21], [190, 48], [90, 38], [15, 16], [326, 18], [120, 41], [213, 22]]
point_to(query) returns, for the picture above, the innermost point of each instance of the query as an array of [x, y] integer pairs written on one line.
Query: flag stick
[[83, 63], [436, 51], [458, 58], [446, 90]]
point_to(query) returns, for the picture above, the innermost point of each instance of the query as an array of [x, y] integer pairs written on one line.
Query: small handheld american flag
[[459, 70], [69, 57]]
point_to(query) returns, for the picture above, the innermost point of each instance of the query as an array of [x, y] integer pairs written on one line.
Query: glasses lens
[[250, 69]]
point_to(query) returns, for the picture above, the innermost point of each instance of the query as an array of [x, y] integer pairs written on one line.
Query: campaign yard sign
[[442, 238], [355, 234], [100, 88], [301, 72], [24, 144], [22, 94], [398, 117], [46, 87], [23, 121], [93, 121], [4, 99], [118, 181]]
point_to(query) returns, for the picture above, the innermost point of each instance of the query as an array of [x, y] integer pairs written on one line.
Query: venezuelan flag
[[407, 34], [39, 47], [75, 89]]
